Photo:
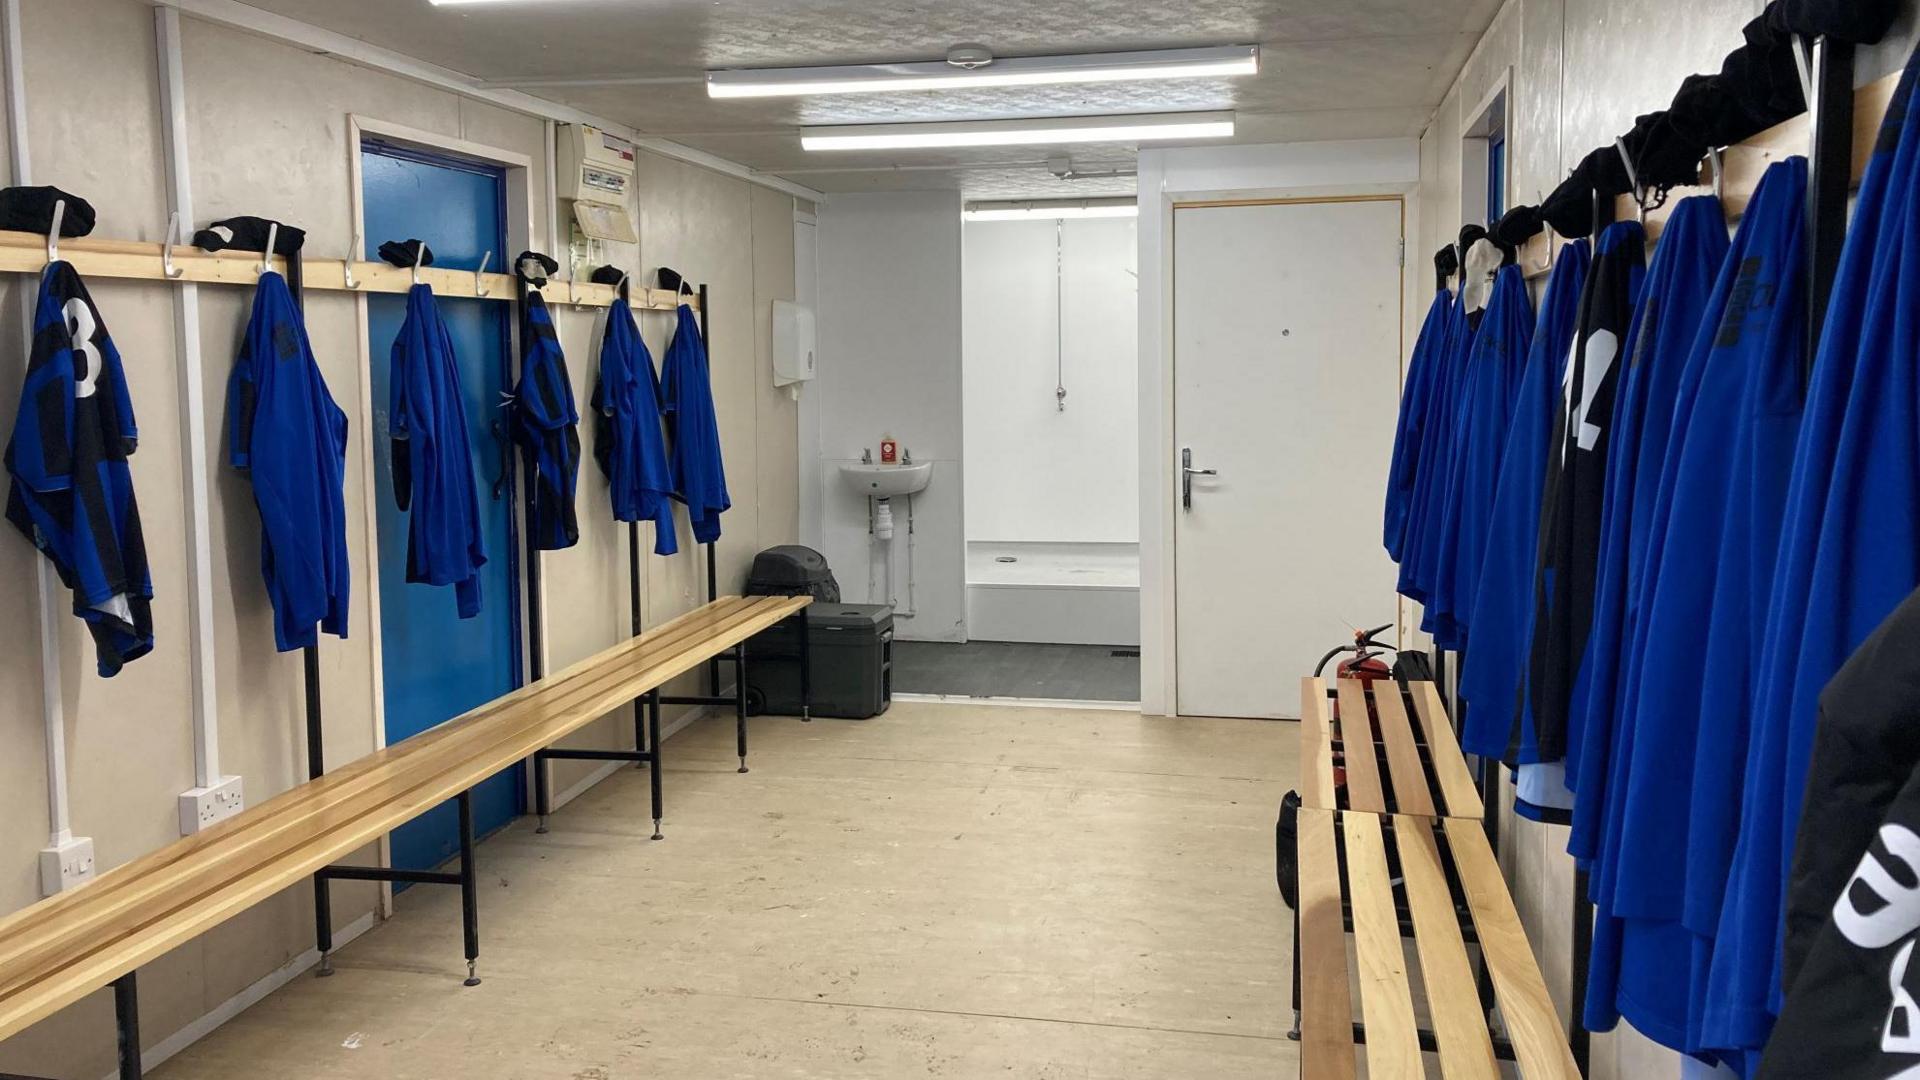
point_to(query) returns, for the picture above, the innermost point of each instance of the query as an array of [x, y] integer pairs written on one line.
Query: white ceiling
[[1328, 69]]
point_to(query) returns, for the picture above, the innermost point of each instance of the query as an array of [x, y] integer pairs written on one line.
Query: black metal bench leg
[[469, 889], [740, 701], [323, 925], [126, 1015], [806, 671], [542, 791], [639, 729], [1295, 1033], [653, 740]]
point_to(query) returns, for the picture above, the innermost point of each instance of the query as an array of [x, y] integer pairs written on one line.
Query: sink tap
[[906, 457], [866, 456]]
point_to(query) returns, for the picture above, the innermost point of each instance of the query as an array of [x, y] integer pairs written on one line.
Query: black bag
[[1286, 849], [1412, 667], [793, 570]]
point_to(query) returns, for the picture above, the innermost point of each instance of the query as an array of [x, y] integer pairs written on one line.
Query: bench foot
[[1293, 1033], [541, 829], [472, 979], [657, 834], [325, 970], [743, 763]]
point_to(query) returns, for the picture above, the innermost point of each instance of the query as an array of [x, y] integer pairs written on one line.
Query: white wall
[[1291, 170], [889, 361], [1035, 472]]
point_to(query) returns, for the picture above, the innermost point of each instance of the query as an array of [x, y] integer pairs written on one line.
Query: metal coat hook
[[1633, 178], [419, 252], [266, 253], [1546, 263], [573, 280], [1802, 49], [480, 274], [1717, 163], [346, 265], [166, 247], [53, 234], [620, 287]]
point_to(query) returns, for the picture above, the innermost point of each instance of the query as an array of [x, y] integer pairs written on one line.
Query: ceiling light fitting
[[972, 66], [1140, 127], [1031, 210]]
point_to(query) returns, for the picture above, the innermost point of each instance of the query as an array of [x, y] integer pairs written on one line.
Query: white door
[[1286, 383]]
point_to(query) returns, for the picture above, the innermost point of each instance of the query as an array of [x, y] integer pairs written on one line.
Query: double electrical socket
[[66, 864], [202, 806]]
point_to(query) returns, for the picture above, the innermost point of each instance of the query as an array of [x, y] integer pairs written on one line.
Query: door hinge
[[1403, 253]]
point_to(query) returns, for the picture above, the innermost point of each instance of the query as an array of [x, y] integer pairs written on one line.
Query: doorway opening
[[1050, 457]]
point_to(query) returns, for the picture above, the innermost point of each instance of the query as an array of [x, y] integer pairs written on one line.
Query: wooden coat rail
[[1741, 169], [26, 253]]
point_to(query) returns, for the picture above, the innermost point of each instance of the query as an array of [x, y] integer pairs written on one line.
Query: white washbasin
[[887, 481]]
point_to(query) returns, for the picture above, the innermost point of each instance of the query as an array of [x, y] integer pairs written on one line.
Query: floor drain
[[1006, 558]]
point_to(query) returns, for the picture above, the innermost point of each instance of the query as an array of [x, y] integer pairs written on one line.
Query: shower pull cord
[[1059, 315]]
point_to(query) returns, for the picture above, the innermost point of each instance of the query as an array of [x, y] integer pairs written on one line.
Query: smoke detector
[[970, 57]]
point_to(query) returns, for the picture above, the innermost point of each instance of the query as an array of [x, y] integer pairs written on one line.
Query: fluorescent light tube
[[1015, 71], [1047, 212], [1140, 127]]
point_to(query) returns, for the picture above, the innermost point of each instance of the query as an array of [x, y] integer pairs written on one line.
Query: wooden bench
[[61, 949], [1385, 877], [1406, 764]]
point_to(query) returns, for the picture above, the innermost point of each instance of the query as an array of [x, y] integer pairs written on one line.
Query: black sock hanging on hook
[[1446, 263], [30, 209], [1569, 209], [1858, 22], [401, 253], [613, 275], [534, 269], [1517, 226], [250, 234]]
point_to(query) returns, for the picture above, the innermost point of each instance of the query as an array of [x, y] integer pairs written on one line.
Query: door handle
[[1187, 473]]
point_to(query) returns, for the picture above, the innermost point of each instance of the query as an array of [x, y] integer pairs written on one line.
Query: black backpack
[[793, 570]]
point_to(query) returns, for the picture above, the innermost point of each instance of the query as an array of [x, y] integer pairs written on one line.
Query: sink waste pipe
[[882, 529]]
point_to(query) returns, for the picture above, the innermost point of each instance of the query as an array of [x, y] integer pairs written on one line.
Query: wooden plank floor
[[950, 890]]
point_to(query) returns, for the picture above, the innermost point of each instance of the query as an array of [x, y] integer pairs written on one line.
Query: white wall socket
[[65, 865], [202, 806]]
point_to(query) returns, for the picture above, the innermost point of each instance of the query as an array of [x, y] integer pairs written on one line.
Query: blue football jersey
[[286, 432], [71, 491]]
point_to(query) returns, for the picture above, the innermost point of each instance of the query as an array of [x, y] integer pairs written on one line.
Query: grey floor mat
[[1016, 669]]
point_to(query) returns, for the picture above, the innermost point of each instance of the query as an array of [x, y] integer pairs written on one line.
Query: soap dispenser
[[889, 450]]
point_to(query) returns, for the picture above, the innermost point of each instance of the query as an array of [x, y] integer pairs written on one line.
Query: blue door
[[435, 664]]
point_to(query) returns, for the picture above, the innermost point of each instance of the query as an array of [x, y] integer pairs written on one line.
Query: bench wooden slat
[[1316, 746], [1449, 764], [1540, 1047], [351, 777], [1453, 1001], [1326, 997], [1364, 791], [282, 823], [1411, 795], [214, 875], [1386, 1000]]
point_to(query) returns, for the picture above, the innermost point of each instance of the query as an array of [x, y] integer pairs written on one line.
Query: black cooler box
[[852, 646]]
